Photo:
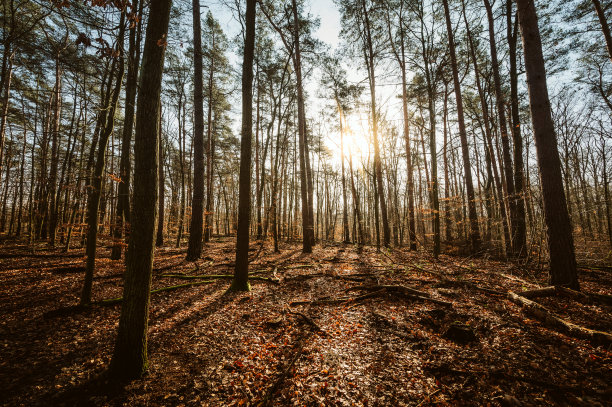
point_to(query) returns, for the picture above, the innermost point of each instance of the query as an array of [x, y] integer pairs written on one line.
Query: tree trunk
[[377, 164], [559, 230], [93, 203], [469, 186], [520, 227], [194, 250], [130, 354], [305, 176], [604, 26], [241, 270], [122, 213], [159, 239]]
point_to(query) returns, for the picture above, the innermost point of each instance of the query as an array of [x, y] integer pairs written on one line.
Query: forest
[[309, 203]]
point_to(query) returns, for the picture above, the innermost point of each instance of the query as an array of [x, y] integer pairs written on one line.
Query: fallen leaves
[[208, 348]]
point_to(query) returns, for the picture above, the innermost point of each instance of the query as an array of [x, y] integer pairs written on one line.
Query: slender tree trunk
[[210, 152], [519, 227], [604, 26], [241, 270], [559, 230], [130, 354], [305, 176], [182, 137], [123, 196], [8, 74], [501, 115], [93, 204], [159, 239], [489, 143], [194, 250], [469, 186], [377, 163], [53, 211]]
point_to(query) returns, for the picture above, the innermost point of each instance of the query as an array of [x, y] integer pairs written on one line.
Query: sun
[[355, 141]]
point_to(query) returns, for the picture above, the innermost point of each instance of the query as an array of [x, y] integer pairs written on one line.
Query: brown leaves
[[215, 349]]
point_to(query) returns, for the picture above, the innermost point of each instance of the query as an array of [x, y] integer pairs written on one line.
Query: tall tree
[[194, 250], [241, 270], [513, 198], [130, 354], [123, 190], [520, 227], [95, 180], [558, 226], [368, 50], [465, 152], [605, 28]]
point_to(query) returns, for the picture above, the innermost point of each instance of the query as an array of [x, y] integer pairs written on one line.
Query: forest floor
[[321, 330]]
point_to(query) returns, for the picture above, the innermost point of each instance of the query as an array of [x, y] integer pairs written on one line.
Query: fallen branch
[[568, 293], [114, 301], [548, 317]]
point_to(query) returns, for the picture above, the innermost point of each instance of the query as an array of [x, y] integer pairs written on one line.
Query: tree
[[130, 355], [469, 185], [343, 94], [241, 270], [123, 195], [194, 250], [107, 122], [605, 28], [558, 226]]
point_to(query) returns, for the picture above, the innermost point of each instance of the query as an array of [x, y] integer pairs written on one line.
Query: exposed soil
[[355, 345]]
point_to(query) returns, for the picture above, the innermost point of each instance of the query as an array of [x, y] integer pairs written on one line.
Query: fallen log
[[114, 301], [568, 293], [548, 317]]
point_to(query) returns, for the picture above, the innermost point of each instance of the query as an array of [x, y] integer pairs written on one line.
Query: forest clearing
[[318, 331]]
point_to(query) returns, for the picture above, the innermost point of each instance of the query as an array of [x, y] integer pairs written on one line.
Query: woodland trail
[[330, 328]]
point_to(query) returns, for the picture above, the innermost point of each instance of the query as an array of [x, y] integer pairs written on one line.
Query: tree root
[[549, 318]]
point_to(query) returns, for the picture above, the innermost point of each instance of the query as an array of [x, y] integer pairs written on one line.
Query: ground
[[315, 332]]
